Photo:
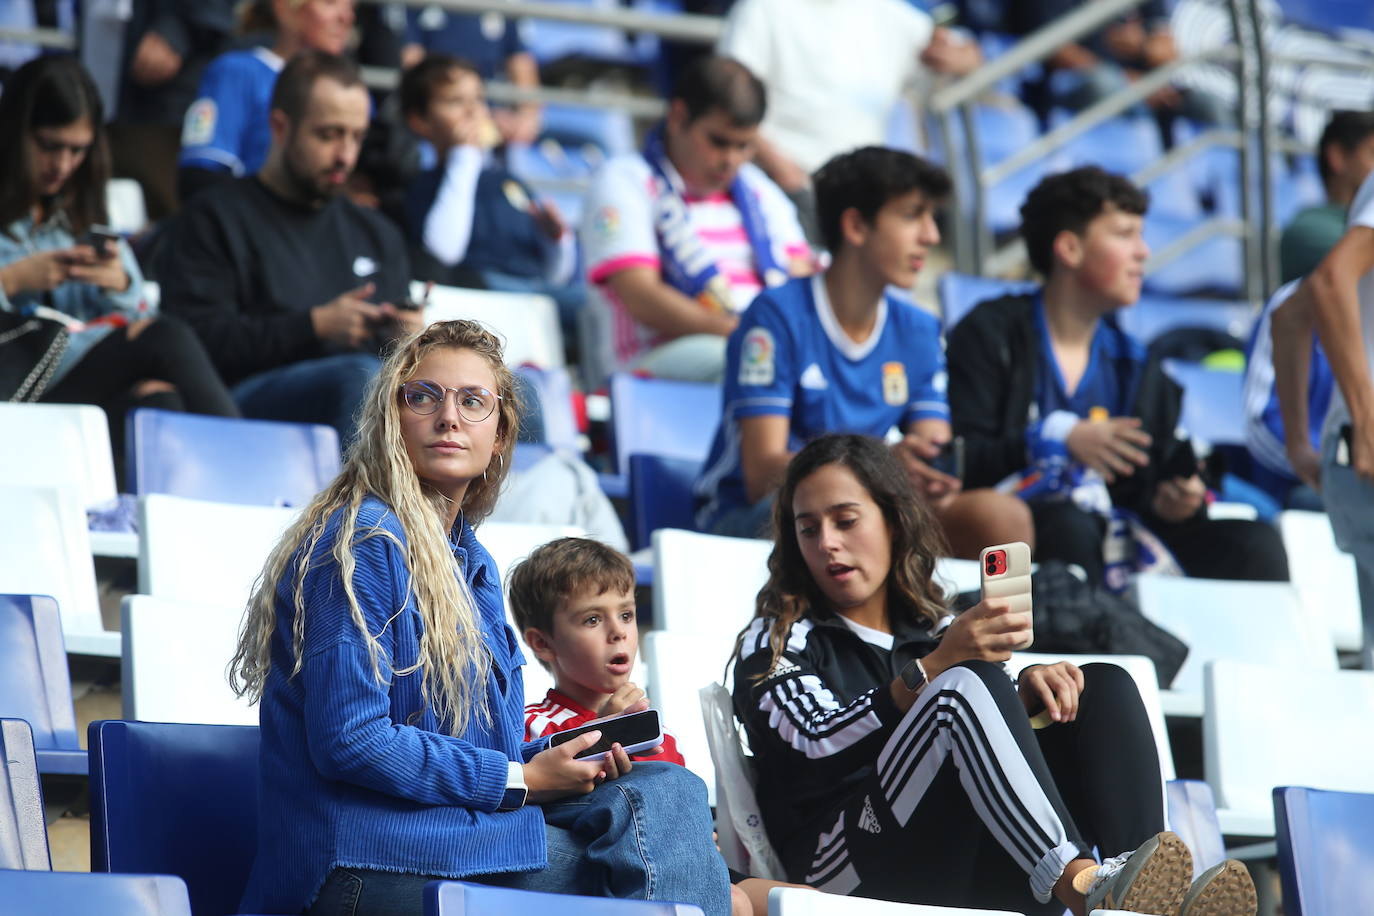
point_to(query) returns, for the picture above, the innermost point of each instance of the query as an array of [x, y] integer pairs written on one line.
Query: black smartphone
[[951, 458], [103, 239], [635, 732], [1181, 461]]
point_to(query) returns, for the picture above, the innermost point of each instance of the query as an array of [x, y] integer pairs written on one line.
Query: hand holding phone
[[1006, 573], [103, 240], [635, 732]]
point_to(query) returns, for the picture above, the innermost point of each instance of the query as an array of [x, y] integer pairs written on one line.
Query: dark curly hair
[[1070, 201], [917, 541], [866, 179]]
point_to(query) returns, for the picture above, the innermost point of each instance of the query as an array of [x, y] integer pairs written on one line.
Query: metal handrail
[[637, 106], [689, 27], [43, 38]]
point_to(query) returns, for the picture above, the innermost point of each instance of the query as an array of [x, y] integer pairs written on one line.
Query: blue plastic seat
[[1326, 850], [179, 800], [1124, 144], [1213, 402], [34, 683], [550, 391], [1193, 816], [23, 833], [459, 898], [1153, 315], [661, 495], [653, 416], [58, 893], [959, 293], [610, 131], [251, 462], [1214, 266]]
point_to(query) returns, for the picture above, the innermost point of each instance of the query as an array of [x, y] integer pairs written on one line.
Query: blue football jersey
[[226, 127]]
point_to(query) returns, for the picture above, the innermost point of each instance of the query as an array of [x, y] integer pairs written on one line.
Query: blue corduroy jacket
[[357, 772]]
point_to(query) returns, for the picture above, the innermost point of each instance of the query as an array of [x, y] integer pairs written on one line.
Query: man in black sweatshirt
[[292, 287]]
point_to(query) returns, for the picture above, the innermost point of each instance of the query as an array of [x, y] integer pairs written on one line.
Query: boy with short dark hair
[[573, 600], [837, 353], [1047, 383]]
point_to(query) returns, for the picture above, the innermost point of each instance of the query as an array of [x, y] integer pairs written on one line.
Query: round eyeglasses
[[425, 397]]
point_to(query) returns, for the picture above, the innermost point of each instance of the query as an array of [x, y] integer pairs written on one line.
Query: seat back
[[679, 665], [58, 445], [706, 584], [799, 901], [45, 550], [551, 389], [1326, 579], [191, 550], [527, 323], [23, 834], [34, 683], [740, 830], [43, 893], [653, 416], [1213, 402], [1326, 850], [175, 657], [1192, 814], [1154, 314], [1260, 622], [250, 462], [1270, 726], [959, 293], [661, 495], [179, 800], [459, 898]]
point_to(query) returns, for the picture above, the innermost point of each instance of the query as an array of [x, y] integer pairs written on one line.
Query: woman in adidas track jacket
[[896, 764]]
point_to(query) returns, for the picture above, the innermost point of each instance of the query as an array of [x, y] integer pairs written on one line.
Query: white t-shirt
[[618, 233], [834, 68], [1361, 214]]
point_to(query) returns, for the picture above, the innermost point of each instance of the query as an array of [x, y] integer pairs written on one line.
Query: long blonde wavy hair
[[453, 660]]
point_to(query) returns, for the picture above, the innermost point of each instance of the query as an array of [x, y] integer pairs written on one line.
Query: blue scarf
[[687, 265]]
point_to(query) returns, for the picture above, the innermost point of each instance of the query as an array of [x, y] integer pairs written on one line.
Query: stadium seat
[[179, 800], [1280, 725], [959, 293], [1213, 402], [191, 550], [66, 445], [526, 323], [34, 684], [797, 901], [46, 550], [679, 665], [249, 462], [609, 130], [59, 893], [652, 416], [705, 584], [459, 898], [1212, 267], [125, 206], [1326, 579], [548, 394], [1325, 849], [661, 495], [175, 657], [1192, 814], [23, 834], [1154, 314], [741, 835]]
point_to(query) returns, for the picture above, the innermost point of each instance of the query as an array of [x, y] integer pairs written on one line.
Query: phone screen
[[635, 732]]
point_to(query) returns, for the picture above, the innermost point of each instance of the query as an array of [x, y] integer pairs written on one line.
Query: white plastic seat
[[1325, 578], [176, 655], [526, 322], [706, 584], [679, 665], [1269, 726], [46, 550], [127, 209], [59, 445], [797, 901]]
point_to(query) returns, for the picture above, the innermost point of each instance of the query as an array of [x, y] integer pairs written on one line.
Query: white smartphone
[[636, 731], [1006, 573]]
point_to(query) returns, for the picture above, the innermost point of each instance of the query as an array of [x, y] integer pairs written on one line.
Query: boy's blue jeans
[[645, 836]]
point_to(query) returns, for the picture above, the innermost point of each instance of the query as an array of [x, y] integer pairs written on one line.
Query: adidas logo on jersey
[[783, 668], [813, 378], [868, 821]]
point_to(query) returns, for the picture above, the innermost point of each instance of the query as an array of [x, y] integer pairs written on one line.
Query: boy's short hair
[[559, 569], [866, 179], [714, 83], [1070, 201], [291, 92], [1346, 129], [420, 81]]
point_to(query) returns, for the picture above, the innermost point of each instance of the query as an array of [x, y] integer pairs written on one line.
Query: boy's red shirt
[[558, 713]]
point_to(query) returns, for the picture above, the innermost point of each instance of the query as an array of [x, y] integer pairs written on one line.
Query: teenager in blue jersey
[[838, 352], [226, 132]]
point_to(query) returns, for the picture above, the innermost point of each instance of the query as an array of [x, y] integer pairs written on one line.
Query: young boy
[[836, 353], [574, 602], [1048, 377], [469, 221]]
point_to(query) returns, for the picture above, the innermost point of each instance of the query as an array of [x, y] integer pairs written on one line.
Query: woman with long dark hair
[[895, 757], [53, 168]]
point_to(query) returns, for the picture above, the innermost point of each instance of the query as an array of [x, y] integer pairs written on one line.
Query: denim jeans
[[326, 390], [644, 836]]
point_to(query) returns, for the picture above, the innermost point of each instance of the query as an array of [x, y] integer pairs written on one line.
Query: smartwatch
[[516, 790], [914, 675]]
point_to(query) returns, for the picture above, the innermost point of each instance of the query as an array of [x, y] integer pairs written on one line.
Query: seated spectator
[[1047, 386], [471, 222], [292, 287], [834, 72], [491, 43], [896, 759], [55, 164], [226, 133], [1345, 156], [680, 239], [836, 353], [393, 749]]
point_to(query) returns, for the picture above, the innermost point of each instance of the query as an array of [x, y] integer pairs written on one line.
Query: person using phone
[[896, 759], [1047, 387], [391, 697], [53, 168]]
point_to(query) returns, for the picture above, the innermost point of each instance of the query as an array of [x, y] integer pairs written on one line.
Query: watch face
[[913, 676]]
